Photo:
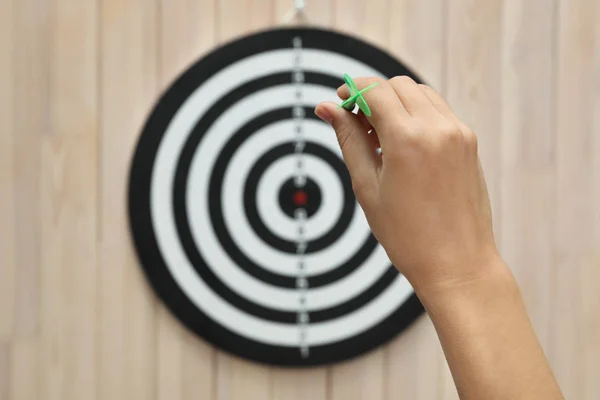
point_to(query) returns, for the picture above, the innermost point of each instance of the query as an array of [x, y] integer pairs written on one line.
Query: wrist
[[487, 274]]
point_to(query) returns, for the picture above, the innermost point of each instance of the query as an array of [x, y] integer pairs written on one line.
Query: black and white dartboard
[[242, 210]]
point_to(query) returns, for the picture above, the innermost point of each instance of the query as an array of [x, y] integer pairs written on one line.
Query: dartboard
[[242, 210]]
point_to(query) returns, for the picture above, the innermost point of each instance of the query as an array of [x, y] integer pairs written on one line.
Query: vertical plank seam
[[444, 32], [386, 368], [498, 220], [554, 74], [13, 99], [99, 203], [47, 128], [329, 383], [100, 113], [97, 163], [215, 378]]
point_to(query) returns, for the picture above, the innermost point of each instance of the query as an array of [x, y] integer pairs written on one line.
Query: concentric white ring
[[283, 225], [179, 266], [236, 176], [242, 234]]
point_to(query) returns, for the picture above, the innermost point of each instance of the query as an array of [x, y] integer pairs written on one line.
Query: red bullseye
[[300, 198]]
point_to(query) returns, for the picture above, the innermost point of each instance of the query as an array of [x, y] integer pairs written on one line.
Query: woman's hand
[[425, 197], [426, 202]]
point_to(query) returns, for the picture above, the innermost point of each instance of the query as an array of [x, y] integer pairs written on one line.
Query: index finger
[[386, 107]]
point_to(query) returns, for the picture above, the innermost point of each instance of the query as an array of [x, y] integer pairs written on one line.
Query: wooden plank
[[575, 330], [24, 372], [474, 80], [235, 18], [29, 122], [299, 384], [362, 378], [187, 32], [4, 370], [528, 149], [30, 112], [199, 364], [240, 379], [417, 35], [69, 205], [185, 363], [129, 86], [415, 363], [169, 364], [7, 172]]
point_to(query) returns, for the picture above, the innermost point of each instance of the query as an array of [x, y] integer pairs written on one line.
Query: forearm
[[488, 340]]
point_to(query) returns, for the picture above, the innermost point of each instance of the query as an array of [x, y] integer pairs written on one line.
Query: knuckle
[[402, 80], [449, 131], [470, 138]]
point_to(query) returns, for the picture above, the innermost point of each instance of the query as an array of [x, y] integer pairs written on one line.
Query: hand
[[425, 196]]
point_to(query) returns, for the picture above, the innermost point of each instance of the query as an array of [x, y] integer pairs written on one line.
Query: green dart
[[356, 97]]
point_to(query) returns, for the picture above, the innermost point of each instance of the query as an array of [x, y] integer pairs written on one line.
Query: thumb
[[358, 149]]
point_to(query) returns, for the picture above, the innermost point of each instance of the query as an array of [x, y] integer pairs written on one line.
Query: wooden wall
[[77, 79]]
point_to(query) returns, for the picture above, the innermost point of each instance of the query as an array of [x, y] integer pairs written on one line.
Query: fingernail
[[324, 114]]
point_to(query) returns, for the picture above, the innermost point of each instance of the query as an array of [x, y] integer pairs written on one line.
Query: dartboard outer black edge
[[142, 229]]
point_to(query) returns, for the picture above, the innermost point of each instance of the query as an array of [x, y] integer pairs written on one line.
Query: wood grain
[[299, 384], [4, 370], [24, 374], [78, 319], [128, 85], [417, 36], [31, 121], [8, 268], [575, 324], [69, 197], [528, 162], [360, 379], [414, 360], [199, 363], [240, 379]]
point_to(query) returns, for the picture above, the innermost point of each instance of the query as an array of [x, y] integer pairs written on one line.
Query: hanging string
[[296, 14]]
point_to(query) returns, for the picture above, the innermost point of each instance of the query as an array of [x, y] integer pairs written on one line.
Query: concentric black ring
[[262, 231], [288, 194], [144, 228], [214, 198]]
